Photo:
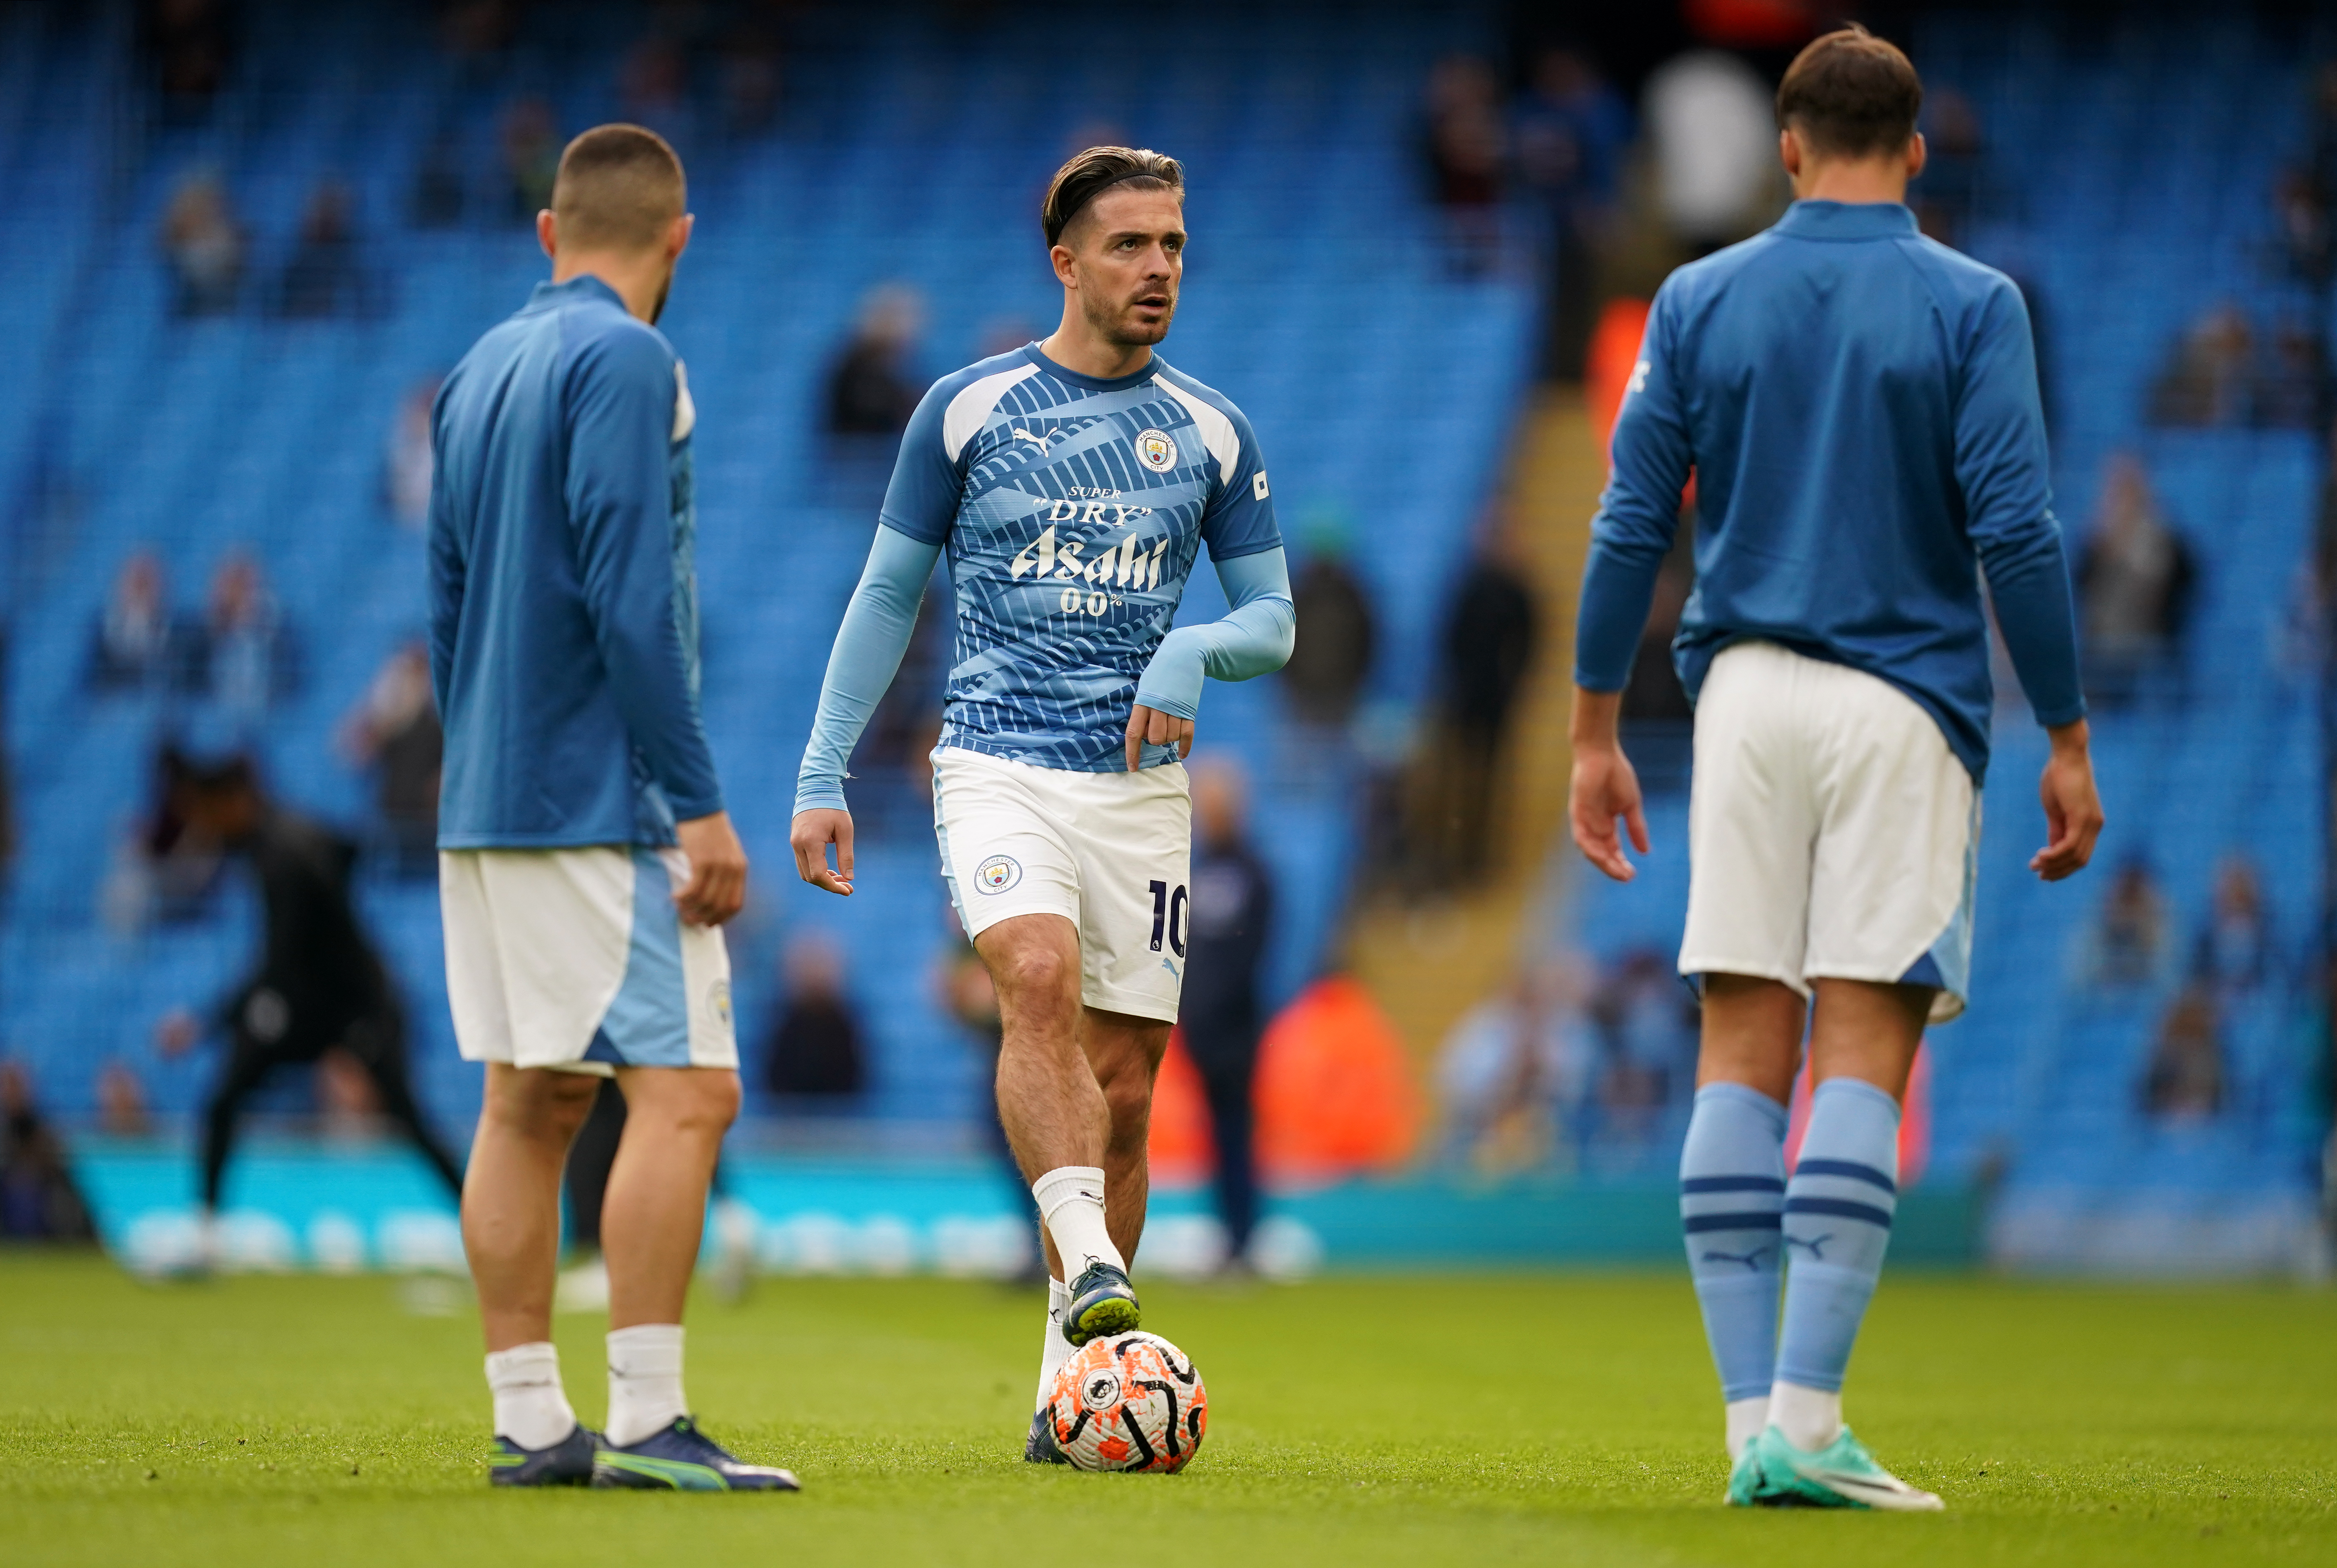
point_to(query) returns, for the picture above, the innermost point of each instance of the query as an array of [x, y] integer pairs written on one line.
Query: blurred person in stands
[[872, 387], [1570, 131], [188, 45], [2185, 1080], [39, 1201], [2234, 953], [407, 463], [530, 141], [2292, 387], [165, 867], [2210, 380], [1337, 633], [1466, 146], [1645, 1023], [441, 188], [817, 1052], [139, 643], [653, 88], [315, 985], [205, 244], [122, 1109], [1222, 1012], [1513, 1068], [2307, 196], [1848, 393], [2131, 942], [394, 731], [246, 653], [1492, 625], [2134, 578], [324, 276], [748, 76]]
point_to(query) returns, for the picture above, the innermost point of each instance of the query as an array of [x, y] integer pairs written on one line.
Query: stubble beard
[[1118, 329]]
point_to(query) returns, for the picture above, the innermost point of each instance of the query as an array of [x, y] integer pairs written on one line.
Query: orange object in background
[[1334, 1095], [1608, 363], [1914, 1120]]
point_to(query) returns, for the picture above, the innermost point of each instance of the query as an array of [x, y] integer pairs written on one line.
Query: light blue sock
[[1838, 1209], [1731, 1187]]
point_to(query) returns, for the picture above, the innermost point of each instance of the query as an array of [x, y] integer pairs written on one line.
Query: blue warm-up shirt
[[1859, 407], [563, 603]]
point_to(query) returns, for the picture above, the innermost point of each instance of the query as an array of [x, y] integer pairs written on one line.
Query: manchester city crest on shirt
[[1156, 450], [997, 873]]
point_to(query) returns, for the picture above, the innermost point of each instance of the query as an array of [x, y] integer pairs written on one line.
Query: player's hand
[[2073, 811], [1606, 786], [716, 889], [813, 832], [177, 1033], [1151, 727]]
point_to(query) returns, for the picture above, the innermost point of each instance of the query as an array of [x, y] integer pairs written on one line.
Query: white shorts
[[1108, 852], [1832, 833], [577, 958]]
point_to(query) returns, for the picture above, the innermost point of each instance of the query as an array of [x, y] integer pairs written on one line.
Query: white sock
[[1747, 1418], [1810, 1418], [1070, 1202], [531, 1409], [1054, 1350], [644, 1381]]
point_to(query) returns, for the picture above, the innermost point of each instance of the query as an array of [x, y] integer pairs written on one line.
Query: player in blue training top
[[1859, 408], [1073, 483], [585, 860]]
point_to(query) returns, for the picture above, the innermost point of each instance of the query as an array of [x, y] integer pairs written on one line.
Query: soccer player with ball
[[1072, 484], [1859, 408]]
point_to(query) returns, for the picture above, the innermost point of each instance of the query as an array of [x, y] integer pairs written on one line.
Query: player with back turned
[[1072, 483], [586, 863], [1859, 408]]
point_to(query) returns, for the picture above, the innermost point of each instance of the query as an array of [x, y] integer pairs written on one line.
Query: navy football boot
[[567, 1463], [1039, 1447], [1102, 1302], [681, 1459]]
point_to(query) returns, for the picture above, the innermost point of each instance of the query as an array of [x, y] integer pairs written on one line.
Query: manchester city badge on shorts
[[717, 1002], [997, 873], [1157, 450]]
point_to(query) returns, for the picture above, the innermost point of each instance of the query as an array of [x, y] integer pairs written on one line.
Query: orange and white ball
[[1129, 1402]]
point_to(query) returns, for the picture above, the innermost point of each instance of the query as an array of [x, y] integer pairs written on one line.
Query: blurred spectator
[[2307, 197], [901, 734], [815, 1051], [871, 389], [531, 151], [1465, 137], [2185, 1078], [1947, 191], [1510, 1069], [2291, 390], [138, 643], [1336, 633], [314, 984], [1646, 1023], [2134, 578], [438, 195], [1714, 135], [246, 654], [2234, 953], [653, 89], [165, 869], [2209, 380], [324, 277], [748, 79], [471, 28], [1570, 131], [38, 1199], [205, 246], [1223, 1013], [408, 465], [394, 730], [1491, 627], [2129, 942], [122, 1103], [188, 45]]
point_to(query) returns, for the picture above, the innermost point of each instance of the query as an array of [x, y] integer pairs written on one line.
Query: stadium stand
[[910, 151]]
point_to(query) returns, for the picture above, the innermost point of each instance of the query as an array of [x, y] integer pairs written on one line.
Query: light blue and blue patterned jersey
[[1072, 510]]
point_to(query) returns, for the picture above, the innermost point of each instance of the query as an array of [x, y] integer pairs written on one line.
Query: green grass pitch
[[1559, 1418]]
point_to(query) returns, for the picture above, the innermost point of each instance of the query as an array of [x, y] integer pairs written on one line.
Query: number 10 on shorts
[[1168, 916]]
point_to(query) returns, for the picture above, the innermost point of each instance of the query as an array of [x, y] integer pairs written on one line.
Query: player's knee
[[1036, 975], [1128, 1096]]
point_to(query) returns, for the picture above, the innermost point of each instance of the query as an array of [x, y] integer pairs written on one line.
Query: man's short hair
[[1851, 94], [617, 188], [1085, 176]]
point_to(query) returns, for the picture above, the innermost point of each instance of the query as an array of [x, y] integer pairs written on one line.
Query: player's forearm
[[1254, 639], [869, 645], [1619, 584], [648, 681], [2030, 585]]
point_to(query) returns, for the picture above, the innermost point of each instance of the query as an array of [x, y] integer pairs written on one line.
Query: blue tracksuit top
[[1859, 407], [563, 604]]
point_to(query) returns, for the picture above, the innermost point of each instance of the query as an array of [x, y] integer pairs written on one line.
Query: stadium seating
[[1317, 298]]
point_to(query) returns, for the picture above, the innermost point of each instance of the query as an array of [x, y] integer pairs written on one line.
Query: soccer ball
[[1129, 1402]]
